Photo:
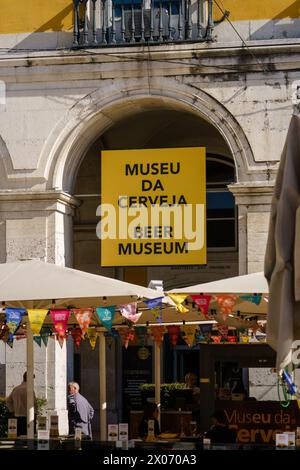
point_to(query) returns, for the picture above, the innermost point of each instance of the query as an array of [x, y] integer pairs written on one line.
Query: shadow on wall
[[282, 26], [50, 35]]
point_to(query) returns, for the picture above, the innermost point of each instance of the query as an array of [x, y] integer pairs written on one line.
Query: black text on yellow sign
[[153, 207]]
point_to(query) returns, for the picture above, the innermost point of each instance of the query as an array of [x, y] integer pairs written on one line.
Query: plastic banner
[[60, 320], [92, 337], [178, 299], [189, 332], [83, 316], [77, 335], [36, 319], [174, 332], [126, 334], [106, 316], [255, 298], [13, 319], [226, 303], [129, 311], [157, 333], [202, 302]]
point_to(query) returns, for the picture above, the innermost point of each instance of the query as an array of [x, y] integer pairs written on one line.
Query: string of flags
[[191, 334]]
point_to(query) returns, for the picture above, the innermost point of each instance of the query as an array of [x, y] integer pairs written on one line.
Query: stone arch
[[99, 110]]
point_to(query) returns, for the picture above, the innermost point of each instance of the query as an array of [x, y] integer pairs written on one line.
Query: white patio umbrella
[[36, 284], [247, 284]]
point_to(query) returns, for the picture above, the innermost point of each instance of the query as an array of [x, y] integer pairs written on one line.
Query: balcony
[[102, 23]]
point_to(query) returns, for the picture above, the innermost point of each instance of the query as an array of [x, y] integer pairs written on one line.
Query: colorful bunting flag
[[126, 334], [83, 316], [141, 333], [129, 311], [45, 333], [106, 316], [38, 340], [255, 298], [76, 335], [13, 319], [92, 336], [189, 332], [36, 319], [178, 299], [155, 305], [157, 333], [203, 302], [174, 332], [226, 303], [60, 320]]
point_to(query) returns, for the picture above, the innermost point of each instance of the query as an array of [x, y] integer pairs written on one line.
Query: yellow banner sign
[[153, 207]]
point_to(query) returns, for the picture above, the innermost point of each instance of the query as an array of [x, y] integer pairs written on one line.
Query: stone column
[[254, 202], [38, 225]]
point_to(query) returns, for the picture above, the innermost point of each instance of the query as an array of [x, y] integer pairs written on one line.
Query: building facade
[[79, 77]]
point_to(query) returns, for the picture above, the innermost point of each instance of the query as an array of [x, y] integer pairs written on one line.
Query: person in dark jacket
[[150, 412], [220, 433], [80, 411]]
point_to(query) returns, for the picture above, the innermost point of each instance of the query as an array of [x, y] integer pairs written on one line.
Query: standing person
[[17, 404], [80, 411]]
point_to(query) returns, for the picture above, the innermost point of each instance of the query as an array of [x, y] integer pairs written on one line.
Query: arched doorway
[[159, 128]]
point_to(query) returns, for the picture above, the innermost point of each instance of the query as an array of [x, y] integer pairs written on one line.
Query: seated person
[[219, 433], [150, 412]]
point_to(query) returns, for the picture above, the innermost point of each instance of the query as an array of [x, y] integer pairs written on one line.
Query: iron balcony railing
[[123, 22]]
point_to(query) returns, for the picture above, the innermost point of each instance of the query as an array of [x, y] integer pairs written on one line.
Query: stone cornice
[[265, 56], [48, 196], [252, 193]]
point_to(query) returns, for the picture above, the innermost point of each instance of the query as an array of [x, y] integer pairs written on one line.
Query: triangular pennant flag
[[157, 333], [77, 336], [126, 334], [45, 333], [178, 299], [189, 334], [129, 311], [92, 336], [60, 339], [203, 302], [141, 333], [83, 316], [155, 305], [13, 318], [226, 303], [106, 316], [36, 319], [255, 298], [38, 340], [10, 340], [174, 332], [60, 320]]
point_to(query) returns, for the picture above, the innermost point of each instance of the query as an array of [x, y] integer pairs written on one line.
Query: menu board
[[137, 370]]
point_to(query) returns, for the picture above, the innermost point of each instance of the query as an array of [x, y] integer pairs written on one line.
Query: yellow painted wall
[[22, 16], [258, 9]]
